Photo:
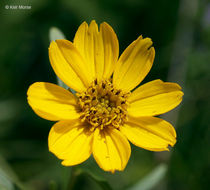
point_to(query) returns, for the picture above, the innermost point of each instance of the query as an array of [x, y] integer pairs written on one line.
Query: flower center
[[102, 105]]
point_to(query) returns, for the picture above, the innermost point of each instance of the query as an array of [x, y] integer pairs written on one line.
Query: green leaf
[[76, 172], [8, 176], [98, 179], [55, 34], [5, 183], [152, 179]]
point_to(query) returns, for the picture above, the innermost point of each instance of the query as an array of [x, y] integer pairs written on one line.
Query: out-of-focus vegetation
[[180, 30]]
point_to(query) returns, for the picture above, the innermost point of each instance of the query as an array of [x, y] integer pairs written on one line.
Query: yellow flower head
[[104, 114]]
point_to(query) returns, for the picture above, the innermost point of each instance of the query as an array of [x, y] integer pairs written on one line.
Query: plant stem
[[75, 172]]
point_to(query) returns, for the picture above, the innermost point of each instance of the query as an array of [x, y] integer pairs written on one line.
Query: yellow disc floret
[[102, 105]]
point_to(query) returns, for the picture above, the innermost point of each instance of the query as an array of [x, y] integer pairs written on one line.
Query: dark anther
[[94, 98], [123, 102], [103, 86], [93, 90], [86, 97], [86, 103], [94, 112], [96, 82], [118, 92]]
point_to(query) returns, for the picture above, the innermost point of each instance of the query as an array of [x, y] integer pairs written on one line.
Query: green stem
[[73, 178]]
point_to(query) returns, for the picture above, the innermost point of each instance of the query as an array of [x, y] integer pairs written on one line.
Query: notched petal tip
[[180, 95], [64, 163], [93, 21], [177, 85], [63, 43], [67, 163], [84, 23], [105, 24], [171, 145], [139, 38], [93, 27], [152, 54]]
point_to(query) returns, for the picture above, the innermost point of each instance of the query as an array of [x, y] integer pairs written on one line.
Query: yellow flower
[[105, 112]]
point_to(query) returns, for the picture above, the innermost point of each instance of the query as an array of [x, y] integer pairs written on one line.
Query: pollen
[[102, 105]]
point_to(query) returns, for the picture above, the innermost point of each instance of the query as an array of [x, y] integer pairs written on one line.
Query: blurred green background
[[180, 30]]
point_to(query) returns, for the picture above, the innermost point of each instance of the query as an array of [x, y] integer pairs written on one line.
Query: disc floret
[[102, 105]]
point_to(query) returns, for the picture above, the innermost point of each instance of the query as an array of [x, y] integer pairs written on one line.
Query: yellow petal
[[153, 88], [100, 49], [52, 102], [111, 149], [150, 133], [70, 142], [69, 65], [134, 64], [154, 98], [82, 41], [111, 49]]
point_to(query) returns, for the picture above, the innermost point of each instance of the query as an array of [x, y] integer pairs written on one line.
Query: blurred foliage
[[24, 60]]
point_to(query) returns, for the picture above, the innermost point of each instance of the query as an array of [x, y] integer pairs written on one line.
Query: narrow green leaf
[[5, 183], [55, 34], [152, 179], [7, 173], [2, 187]]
